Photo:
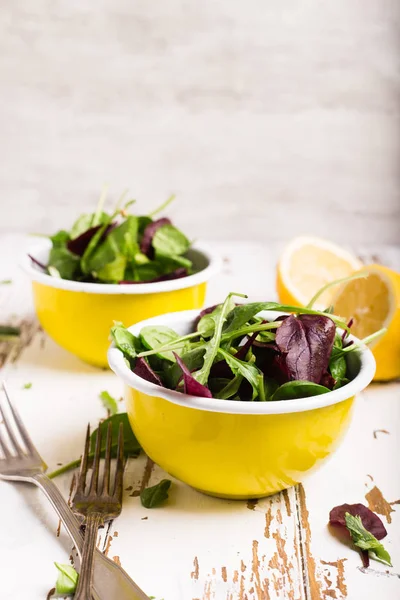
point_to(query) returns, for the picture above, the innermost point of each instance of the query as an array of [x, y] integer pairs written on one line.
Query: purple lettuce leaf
[[243, 350], [327, 380], [307, 342], [370, 520], [148, 234], [78, 245], [190, 385], [142, 369], [38, 263]]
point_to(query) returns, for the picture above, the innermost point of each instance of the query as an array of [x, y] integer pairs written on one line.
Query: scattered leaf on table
[[152, 497], [109, 403]]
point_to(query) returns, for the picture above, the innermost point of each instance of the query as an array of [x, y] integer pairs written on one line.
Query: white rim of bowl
[[118, 365], [213, 267]]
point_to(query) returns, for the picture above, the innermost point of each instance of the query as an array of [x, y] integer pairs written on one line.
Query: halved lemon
[[306, 265], [374, 303]]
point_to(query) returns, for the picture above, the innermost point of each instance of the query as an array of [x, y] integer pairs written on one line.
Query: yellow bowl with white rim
[[78, 316], [235, 449]]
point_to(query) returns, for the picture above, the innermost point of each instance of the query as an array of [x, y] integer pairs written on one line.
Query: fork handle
[[84, 589], [111, 581]]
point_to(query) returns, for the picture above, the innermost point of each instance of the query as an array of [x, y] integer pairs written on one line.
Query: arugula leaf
[[132, 447], [298, 389], [248, 370], [213, 345], [365, 540], [169, 241], [67, 579], [109, 403], [152, 497], [154, 337], [5, 281]]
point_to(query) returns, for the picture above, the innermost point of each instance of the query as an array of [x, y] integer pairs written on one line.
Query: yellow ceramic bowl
[[78, 316], [237, 449]]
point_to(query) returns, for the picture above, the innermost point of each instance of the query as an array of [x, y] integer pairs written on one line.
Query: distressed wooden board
[[196, 547]]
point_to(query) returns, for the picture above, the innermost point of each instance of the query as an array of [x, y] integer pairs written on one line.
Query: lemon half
[[374, 303], [309, 263]]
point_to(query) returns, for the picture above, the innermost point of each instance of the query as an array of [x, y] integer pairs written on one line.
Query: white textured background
[[266, 117]]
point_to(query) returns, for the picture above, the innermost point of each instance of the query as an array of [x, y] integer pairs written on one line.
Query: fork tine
[[20, 426], [4, 446], [119, 473], [96, 464], [81, 484], [14, 442], [107, 462]]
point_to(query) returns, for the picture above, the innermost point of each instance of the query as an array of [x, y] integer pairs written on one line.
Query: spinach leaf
[[248, 370], [109, 403], [113, 271], [149, 232], [67, 579], [298, 389], [173, 261], [124, 340], [365, 540], [60, 238], [66, 263], [270, 387], [337, 367], [115, 248], [154, 337], [169, 241], [213, 345], [131, 445], [152, 497]]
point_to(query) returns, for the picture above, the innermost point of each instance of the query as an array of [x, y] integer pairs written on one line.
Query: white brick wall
[[266, 117]]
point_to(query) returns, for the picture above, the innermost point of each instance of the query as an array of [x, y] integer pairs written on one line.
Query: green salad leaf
[[109, 403], [118, 247], [67, 579], [156, 495], [132, 447], [365, 540]]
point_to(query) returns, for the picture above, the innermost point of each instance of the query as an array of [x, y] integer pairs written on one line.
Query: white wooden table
[[195, 547]]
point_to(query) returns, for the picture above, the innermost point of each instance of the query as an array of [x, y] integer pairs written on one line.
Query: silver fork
[[22, 462], [94, 505]]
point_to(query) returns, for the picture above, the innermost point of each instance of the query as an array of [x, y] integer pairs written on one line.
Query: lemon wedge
[[309, 263], [374, 303]]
